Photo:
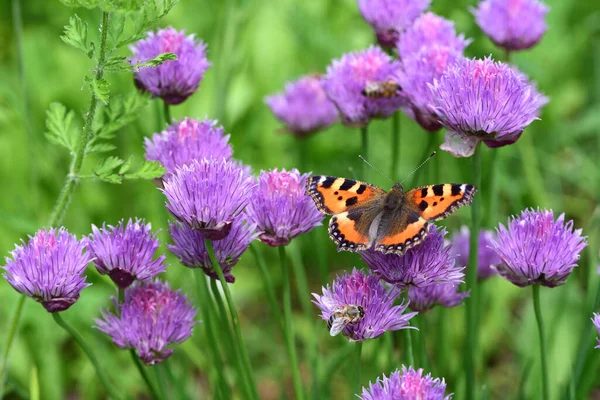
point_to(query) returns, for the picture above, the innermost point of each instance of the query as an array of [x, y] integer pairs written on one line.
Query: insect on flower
[[381, 89], [344, 315]]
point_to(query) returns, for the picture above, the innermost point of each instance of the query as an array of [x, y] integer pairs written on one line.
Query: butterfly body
[[366, 216]]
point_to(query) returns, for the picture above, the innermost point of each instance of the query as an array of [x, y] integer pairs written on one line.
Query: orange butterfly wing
[[336, 195], [436, 202]]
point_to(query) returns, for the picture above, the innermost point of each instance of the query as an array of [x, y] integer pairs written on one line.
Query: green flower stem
[[492, 209], [395, 144], [288, 330], [364, 131], [429, 148], [67, 190], [90, 354], [543, 349], [408, 347], [269, 288], [167, 114], [144, 374], [442, 342], [471, 302], [208, 320], [388, 340], [234, 317], [181, 392], [355, 384], [162, 382], [420, 320]]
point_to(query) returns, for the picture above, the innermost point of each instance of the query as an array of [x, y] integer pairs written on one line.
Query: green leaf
[[155, 62], [58, 123], [99, 87], [125, 167], [150, 15], [148, 170], [75, 35], [121, 64], [106, 170], [107, 5], [93, 147], [121, 111]]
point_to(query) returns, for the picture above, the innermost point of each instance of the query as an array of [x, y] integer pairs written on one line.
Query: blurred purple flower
[[188, 140], [422, 299], [428, 263], [430, 30], [389, 18], [125, 252], [596, 321], [49, 268], [190, 248], [280, 207], [483, 100], [207, 195], [151, 318], [421, 69], [365, 290], [408, 385], [512, 24], [535, 249], [487, 259], [303, 106], [174, 80], [347, 78]]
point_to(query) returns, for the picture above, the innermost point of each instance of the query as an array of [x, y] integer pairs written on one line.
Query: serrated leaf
[[75, 35], [155, 62], [121, 111], [148, 170], [58, 123], [115, 29], [99, 147], [99, 87], [107, 5], [125, 167], [108, 166], [150, 15]]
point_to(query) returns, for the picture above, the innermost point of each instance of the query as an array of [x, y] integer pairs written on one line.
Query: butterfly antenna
[[370, 165], [416, 169]]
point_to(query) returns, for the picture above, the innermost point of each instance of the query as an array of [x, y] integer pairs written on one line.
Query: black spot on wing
[[351, 201], [438, 190], [340, 198], [423, 205], [361, 189], [412, 218], [348, 183], [328, 182], [455, 189], [424, 192]]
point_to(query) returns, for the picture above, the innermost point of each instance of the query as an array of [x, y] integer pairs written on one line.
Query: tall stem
[[492, 212], [234, 317], [429, 148], [471, 302], [395, 144], [356, 378], [408, 347], [167, 113], [12, 329], [543, 352], [288, 329], [364, 134], [269, 288], [144, 375], [90, 354]]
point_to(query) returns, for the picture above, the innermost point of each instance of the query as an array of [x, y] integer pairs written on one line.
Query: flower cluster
[[536, 249], [151, 318], [423, 299], [487, 259], [174, 80], [280, 208], [303, 106], [483, 100], [188, 140], [365, 290], [406, 385], [49, 268]]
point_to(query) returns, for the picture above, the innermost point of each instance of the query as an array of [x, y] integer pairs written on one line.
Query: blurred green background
[[255, 47]]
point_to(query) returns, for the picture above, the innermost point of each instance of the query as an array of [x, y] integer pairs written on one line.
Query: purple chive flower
[[151, 318], [49, 268], [430, 30], [303, 106], [422, 299], [535, 249], [347, 78], [174, 80], [189, 247], [188, 140], [596, 321], [512, 24], [389, 18], [365, 290], [483, 100], [126, 252], [280, 207], [420, 70], [408, 385], [428, 263], [207, 195], [487, 259]]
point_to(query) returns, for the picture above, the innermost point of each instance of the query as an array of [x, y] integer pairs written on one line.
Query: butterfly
[[366, 216]]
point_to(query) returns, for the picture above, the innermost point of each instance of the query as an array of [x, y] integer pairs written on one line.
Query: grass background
[[255, 47]]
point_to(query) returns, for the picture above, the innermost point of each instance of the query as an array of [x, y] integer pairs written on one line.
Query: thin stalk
[[492, 209], [429, 148], [269, 288], [144, 374], [408, 347], [288, 330], [13, 326], [234, 318], [319, 246], [543, 352], [388, 340], [355, 384], [395, 144], [181, 392], [162, 383], [471, 302], [421, 342], [207, 310], [442, 343], [167, 113], [364, 134], [90, 354]]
